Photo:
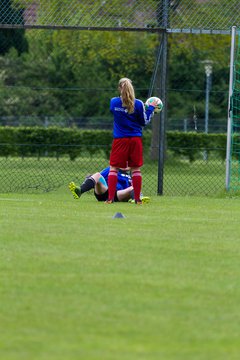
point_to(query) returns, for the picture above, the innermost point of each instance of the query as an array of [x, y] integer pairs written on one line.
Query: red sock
[[112, 184], [137, 184]]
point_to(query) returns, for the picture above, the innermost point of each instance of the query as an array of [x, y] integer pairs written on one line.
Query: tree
[[186, 88], [11, 37]]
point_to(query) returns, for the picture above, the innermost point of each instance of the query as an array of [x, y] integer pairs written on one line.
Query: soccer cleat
[[109, 202], [76, 191], [145, 199], [138, 202]]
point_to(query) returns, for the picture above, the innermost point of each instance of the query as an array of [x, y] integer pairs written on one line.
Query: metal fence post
[[229, 124], [163, 96]]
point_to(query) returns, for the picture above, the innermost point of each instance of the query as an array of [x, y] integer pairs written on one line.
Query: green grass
[[162, 283]]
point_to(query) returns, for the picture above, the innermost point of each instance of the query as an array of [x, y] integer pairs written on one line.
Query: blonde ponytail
[[127, 93]]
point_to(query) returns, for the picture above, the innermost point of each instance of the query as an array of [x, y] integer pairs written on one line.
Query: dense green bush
[[190, 145], [56, 142]]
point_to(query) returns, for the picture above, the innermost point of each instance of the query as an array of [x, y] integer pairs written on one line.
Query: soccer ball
[[159, 106]]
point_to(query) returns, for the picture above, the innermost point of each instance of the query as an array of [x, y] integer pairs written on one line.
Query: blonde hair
[[127, 93]]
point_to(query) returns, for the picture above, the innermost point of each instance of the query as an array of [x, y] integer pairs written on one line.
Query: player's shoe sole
[[76, 192], [144, 200]]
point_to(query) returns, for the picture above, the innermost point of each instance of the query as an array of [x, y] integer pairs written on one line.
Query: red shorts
[[127, 152]]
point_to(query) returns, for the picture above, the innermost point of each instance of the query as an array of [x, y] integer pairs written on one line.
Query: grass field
[[161, 283]]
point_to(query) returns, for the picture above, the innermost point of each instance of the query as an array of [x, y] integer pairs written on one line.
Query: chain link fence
[[184, 16], [55, 71], [45, 174]]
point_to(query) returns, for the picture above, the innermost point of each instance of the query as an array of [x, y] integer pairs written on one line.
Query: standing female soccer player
[[129, 117]]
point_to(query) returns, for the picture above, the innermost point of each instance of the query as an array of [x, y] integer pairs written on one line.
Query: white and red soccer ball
[[154, 100]]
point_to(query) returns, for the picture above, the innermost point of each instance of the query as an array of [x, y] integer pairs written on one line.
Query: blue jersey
[[124, 180], [129, 125]]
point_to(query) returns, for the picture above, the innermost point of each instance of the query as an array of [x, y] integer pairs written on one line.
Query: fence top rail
[[127, 29]]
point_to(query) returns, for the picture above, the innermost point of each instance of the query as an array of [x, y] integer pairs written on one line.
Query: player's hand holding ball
[[156, 102]]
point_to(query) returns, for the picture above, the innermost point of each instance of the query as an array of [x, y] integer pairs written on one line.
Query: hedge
[[55, 141], [191, 145]]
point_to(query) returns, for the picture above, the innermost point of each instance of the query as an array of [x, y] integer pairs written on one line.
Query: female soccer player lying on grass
[[99, 182]]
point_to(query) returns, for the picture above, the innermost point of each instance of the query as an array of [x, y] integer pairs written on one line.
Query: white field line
[[16, 199]]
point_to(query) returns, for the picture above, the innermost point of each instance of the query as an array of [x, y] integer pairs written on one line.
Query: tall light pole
[[208, 71]]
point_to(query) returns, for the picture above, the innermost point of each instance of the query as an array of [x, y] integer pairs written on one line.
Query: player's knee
[[96, 176]]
